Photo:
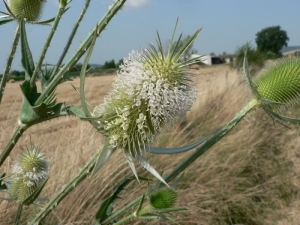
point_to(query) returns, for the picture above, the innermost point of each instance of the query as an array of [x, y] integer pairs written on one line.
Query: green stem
[[9, 61], [65, 191], [101, 25], [189, 160], [18, 216], [12, 142], [125, 220], [71, 37], [220, 134], [46, 46]]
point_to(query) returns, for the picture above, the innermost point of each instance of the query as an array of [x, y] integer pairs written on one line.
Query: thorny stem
[[190, 159], [12, 142], [65, 191], [46, 46], [112, 10], [18, 216], [9, 61], [71, 37]]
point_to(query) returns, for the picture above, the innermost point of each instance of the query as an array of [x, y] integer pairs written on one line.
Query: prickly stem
[[71, 37], [12, 142], [9, 61], [214, 139], [79, 53], [46, 46], [65, 191]]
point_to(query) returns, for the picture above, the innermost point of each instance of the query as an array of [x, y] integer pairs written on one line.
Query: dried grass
[[249, 177]]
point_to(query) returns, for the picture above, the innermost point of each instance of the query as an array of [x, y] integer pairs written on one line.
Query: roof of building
[[290, 48]]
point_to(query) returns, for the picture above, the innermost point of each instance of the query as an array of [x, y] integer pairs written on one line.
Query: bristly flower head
[[164, 198], [30, 170], [30, 10], [152, 90], [277, 87]]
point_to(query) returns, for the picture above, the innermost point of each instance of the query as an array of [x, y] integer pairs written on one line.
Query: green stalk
[[19, 213], [125, 220], [71, 37], [189, 160], [101, 25], [47, 44], [9, 61], [12, 142], [65, 191]]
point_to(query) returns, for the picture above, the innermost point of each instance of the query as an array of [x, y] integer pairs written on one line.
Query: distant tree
[[78, 67], [212, 54], [15, 73], [119, 63], [255, 58], [271, 40], [109, 64]]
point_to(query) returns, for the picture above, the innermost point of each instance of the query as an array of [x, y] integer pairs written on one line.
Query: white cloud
[[137, 3]]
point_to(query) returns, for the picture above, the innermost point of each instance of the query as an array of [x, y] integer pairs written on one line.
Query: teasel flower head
[[277, 87], [30, 10], [153, 89], [163, 198], [29, 171]]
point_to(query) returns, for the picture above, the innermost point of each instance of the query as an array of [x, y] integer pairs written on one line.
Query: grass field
[[250, 177]]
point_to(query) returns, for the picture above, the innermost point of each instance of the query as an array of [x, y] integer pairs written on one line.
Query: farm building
[[291, 51], [212, 60]]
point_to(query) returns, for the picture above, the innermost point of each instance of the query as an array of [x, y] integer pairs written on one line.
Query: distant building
[[228, 58], [213, 60], [290, 51]]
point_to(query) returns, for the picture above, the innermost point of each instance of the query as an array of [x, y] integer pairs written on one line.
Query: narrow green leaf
[[284, 118], [27, 61], [155, 150], [8, 9], [186, 45], [5, 21], [105, 207], [44, 22], [140, 205], [35, 194], [105, 154]]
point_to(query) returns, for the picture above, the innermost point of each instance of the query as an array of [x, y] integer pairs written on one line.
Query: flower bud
[[280, 83], [162, 199], [30, 170], [28, 9]]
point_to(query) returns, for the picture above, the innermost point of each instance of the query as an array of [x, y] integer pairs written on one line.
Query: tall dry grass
[[249, 177]]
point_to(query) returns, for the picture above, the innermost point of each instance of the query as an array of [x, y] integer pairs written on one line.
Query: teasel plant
[[153, 90]]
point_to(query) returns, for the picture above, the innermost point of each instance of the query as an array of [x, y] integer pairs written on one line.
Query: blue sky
[[226, 25]]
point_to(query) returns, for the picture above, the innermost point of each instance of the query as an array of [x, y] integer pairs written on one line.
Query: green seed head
[[280, 83], [164, 198], [28, 172], [31, 10]]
